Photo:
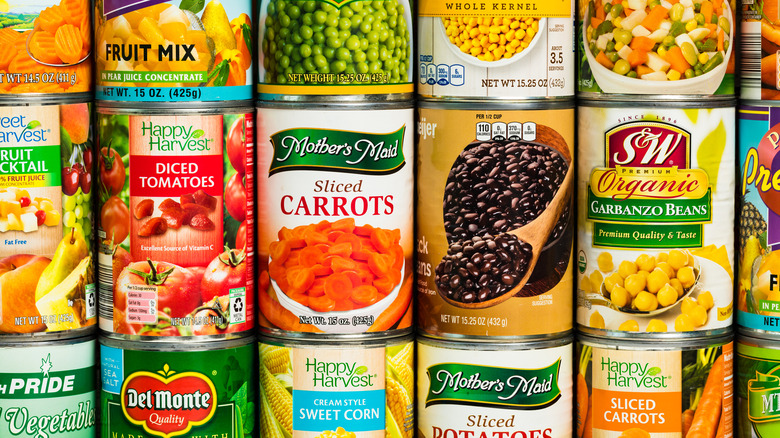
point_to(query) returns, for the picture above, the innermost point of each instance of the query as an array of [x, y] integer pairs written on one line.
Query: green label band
[[650, 210]]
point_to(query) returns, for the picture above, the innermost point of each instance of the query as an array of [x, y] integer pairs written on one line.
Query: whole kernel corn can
[[352, 389], [165, 51], [46, 48]]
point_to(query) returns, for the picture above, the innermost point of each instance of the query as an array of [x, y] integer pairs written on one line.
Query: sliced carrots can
[[652, 389]]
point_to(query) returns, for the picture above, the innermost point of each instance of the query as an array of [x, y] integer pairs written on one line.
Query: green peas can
[[324, 49]]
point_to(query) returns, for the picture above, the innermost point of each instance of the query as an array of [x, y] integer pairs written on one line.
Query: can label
[[168, 394], [329, 47], [310, 392], [176, 223], [475, 392], [336, 242], [758, 295], [47, 47], [649, 48], [157, 51], [758, 380], [47, 275], [49, 390], [655, 233], [759, 75], [496, 49], [655, 393], [493, 171]]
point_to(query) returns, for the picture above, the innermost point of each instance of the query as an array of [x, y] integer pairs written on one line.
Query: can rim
[[506, 105], [671, 101], [25, 343], [335, 106], [558, 341], [328, 344], [110, 108], [653, 344], [189, 344], [39, 99]]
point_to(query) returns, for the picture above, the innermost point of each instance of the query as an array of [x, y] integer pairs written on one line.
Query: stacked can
[[335, 240], [495, 219], [655, 204], [47, 256], [175, 235], [758, 302]]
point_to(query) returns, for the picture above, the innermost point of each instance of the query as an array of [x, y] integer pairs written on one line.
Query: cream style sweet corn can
[[655, 218], [677, 49], [350, 389], [514, 390], [489, 49], [164, 51]]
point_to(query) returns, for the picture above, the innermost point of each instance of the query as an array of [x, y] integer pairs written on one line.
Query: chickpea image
[[667, 295], [596, 279], [656, 280], [646, 302], [645, 263], [677, 259], [686, 276], [629, 326], [675, 283], [604, 260], [612, 280], [619, 296], [683, 323], [698, 315], [667, 268], [662, 257], [687, 306], [635, 283], [626, 268], [585, 285], [656, 326], [596, 320], [705, 299]]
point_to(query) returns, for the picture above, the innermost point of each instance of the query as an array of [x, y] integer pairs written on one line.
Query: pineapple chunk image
[[14, 223], [8, 208], [52, 218], [29, 222], [3, 225]]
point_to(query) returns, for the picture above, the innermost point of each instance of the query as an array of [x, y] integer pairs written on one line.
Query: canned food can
[[49, 388], [682, 52], [47, 260], [485, 266], [160, 51], [757, 376], [318, 389], [656, 219], [335, 242], [47, 49], [176, 227], [496, 50], [758, 300], [200, 388], [639, 388], [332, 51], [495, 389], [759, 76]]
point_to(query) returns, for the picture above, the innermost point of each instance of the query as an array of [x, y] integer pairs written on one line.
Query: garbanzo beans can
[[496, 50], [640, 388], [655, 218]]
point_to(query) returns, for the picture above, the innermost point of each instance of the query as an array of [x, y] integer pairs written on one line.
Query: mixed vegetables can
[[49, 388], [759, 39], [758, 383], [327, 50], [520, 390], [349, 389], [336, 187], [494, 169], [47, 260], [198, 388], [165, 51], [635, 388], [46, 48], [656, 218], [496, 49], [175, 232], [653, 47]]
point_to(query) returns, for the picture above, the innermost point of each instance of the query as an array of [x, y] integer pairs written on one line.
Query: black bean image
[[482, 268], [498, 186]]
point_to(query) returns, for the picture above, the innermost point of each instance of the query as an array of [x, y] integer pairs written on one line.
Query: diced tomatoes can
[[315, 388], [196, 388], [485, 172], [49, 388], [496, 50], [656, 218], [167, 52], [47, 256], [640, 387], [335, 184], [176, 226], [509, 389]]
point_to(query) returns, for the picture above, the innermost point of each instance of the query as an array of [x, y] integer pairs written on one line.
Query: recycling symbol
[[91, 300], [238, 305]]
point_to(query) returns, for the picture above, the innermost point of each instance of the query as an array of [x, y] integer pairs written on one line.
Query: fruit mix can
[[198, 388], [47, 260], [162, 51], [496, 50], [46, 49], [49, 388], [655, 221], [758, 383], [681, 51], [320, 389], [519, 390], [175, 232], [331, 51], [632, 388], [759, 75], [758, 299], [494, 170], [335, 185]]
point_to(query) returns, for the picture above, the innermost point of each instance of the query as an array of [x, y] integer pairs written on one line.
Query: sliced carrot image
[[397, 310], [7, 54], [75, 10], [42, 47], [51, 18], [68, 44]]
